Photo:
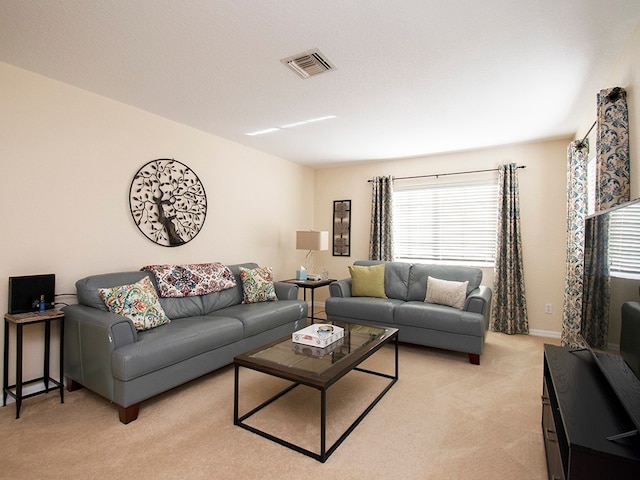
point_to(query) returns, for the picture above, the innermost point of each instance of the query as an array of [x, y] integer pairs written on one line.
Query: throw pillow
[[138, 302], [367, 281], [257, 285], [446, 292]]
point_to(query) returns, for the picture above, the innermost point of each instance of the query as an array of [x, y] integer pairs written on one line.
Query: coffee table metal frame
[[319, 382]]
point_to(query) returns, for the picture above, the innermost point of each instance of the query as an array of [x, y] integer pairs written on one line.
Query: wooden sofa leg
[[72, 385], [474, 358], [128, 414]]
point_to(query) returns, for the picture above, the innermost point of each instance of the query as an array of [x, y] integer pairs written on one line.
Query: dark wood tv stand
[[580, 411]]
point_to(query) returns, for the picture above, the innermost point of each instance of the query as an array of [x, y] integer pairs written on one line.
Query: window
[[624, 242], [453, 223]]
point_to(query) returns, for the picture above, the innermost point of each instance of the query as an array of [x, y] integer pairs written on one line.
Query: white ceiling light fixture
[[290, 125], [311, 120], [262, 132], [309, 63]]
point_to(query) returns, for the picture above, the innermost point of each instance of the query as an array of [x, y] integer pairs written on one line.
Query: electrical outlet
[[548, 308]]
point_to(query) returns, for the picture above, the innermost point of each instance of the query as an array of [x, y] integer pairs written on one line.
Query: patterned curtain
[[612, 144], [612, 188], [509, 314], [595, 308], [577, 153], [381, 241]]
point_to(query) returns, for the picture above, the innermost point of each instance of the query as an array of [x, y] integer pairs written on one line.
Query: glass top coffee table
[[319, 369]]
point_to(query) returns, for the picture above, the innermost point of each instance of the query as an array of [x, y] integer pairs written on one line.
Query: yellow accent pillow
[[367, 281]]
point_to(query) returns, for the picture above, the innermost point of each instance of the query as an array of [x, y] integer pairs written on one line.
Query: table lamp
[[311, 240]]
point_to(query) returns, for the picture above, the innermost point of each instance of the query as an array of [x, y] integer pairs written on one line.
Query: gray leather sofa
[[104, 353], [428, 324]]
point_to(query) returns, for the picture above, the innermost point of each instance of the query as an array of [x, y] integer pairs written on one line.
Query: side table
[[310, 285], [20, 320]]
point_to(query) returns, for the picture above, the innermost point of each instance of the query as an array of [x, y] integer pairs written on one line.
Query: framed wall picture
[[342, 228]]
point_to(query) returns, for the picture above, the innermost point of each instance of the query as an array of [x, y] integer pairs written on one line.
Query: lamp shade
[[311, 240]]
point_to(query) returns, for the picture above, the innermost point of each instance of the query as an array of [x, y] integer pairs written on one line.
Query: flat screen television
[[611, 270], [612, 248]]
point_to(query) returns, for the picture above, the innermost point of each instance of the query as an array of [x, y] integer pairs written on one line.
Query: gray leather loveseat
[[105, 353], [435, 325]]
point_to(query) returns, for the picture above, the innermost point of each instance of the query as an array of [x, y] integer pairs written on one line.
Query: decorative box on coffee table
[[313, 335]]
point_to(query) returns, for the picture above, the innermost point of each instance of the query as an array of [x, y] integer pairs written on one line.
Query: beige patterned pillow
[[446, 292], [138, 302], [257, 285]]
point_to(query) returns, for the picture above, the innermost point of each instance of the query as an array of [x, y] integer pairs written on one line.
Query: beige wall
[[542, 205], [67, 159]]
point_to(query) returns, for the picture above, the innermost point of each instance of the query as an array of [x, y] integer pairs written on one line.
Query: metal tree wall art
[[168, 202]]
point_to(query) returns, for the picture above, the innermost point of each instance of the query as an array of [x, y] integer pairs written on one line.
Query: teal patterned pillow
[[138, 302], [257, 285]]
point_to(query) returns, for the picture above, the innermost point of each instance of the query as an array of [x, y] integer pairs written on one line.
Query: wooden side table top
[[32, 317]]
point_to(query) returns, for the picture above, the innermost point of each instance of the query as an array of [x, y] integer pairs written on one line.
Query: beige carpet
[[444, 418]]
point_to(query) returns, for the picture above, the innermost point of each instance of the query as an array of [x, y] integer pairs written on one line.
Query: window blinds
[[624, 242], [452, 223]]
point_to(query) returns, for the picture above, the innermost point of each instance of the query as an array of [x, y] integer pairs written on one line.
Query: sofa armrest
[[286, 291], [340, 288], [479, 301], [90, 337]]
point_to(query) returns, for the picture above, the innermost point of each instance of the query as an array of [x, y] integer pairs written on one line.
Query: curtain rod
[[447, 174], [581, 143], [613, 96]]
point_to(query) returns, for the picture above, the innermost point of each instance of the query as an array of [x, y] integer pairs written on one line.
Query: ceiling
[[411, 77]]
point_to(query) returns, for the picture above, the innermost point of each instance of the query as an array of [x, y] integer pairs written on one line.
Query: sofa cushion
[[439, 317], [87, 288], [231, 296], [445, 292], [182, 307], [138, 302], [260, 317], [367, 281], [257, 285], [396, 277], [421, 272], [173, 343], [362, 308]]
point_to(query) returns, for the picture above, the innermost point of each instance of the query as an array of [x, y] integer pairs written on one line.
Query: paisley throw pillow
[[138, 302], [257, 285]]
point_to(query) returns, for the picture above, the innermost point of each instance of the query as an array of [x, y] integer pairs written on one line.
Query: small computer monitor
[[25, 292]]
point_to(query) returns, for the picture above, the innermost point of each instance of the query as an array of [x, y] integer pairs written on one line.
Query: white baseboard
[[613, 346], [553, 334], [544, 333]]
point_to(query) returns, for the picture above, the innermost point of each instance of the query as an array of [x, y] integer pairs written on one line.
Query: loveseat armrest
[[286, 291], [90, 337], [479, 301], [340, 288]]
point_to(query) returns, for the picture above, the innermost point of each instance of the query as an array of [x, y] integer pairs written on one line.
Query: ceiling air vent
[[308, 64]]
